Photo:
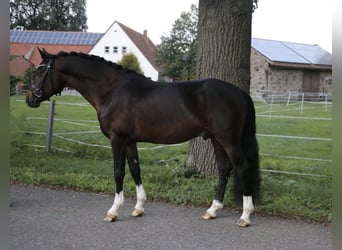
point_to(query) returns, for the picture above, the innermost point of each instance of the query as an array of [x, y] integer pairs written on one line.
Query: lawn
[[296, 164]]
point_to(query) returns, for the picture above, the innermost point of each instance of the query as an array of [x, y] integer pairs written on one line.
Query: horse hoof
[[208, 216], [242, 223], [110, 218], [137, 213]]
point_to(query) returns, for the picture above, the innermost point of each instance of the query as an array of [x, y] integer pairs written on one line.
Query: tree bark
[[224, 45]]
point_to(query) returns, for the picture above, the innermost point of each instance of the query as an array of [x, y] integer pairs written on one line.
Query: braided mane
[[97, 59]]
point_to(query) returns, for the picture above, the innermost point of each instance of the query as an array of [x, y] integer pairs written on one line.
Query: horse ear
[[43, 54]]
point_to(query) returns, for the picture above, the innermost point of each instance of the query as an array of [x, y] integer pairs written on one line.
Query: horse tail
[[250, 150]]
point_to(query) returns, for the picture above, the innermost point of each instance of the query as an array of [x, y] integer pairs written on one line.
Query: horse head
[[45, 83]]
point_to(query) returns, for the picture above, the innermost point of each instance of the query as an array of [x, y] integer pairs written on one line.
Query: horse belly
[[168, 132]]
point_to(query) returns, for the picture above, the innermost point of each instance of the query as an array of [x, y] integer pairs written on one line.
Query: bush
[[130, 61], [13, 83]]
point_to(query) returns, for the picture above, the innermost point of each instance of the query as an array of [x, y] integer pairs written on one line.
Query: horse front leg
[[133, 161], [119, 155]]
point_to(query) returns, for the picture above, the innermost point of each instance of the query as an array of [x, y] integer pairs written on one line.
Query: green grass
[[304, 192]]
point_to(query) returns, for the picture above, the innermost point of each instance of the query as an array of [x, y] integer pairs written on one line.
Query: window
[[115, 49], [106, 49], [124, 50]]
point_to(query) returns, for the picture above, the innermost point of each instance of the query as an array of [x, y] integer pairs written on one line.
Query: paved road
[[42, 218]]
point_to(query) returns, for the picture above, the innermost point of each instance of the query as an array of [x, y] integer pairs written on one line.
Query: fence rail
[[291, 96], [67, 136], [293, 100]]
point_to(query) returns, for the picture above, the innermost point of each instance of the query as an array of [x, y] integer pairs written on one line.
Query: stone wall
[[259, 67], [283, 80], [274, 79], [326, 83]]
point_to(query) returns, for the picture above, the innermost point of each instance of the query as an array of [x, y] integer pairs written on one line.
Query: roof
[[31, 53], [54, 37], [295, 53], [36, 37], [144, 44], [25, 42]]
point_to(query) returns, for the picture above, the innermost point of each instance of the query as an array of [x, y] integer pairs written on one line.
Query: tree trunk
[[224, 45]]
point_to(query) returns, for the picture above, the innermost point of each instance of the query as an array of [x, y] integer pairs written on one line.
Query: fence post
[[50, 126], [288, 99], [271, 106], [302, 105]]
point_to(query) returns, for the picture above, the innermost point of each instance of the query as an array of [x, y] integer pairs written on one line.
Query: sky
[[301, 21]]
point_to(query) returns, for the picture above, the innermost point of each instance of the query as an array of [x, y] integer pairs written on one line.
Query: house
[[281, 67], [120, 39], [112, 45]]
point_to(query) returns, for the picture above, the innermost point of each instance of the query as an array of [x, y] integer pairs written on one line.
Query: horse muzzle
[[32, 100]]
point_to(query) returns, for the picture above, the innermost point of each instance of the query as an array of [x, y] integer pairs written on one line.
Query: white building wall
[[116, 37]]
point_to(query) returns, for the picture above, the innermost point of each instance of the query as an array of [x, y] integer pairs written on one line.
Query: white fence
[[291, 96], [94, 128], [293, 101]]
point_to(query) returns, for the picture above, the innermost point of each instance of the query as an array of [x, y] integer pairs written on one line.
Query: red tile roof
[[23, 48], [18, 66]]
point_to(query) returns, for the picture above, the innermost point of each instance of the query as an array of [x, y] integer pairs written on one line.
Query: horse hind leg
[[246, 176], [133, 162], [224, 169], [248, 209]]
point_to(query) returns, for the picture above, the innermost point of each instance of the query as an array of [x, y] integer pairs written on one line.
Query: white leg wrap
[[141, 197], [118, 201], [248, 208], [216, 205]]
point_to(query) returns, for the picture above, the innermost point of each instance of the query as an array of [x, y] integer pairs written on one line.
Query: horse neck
[[95, 94], [95, 84]]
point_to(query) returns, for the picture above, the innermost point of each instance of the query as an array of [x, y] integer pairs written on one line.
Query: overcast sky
[[302, 21]]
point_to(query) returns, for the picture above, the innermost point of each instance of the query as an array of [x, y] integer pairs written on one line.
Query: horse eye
[[38, 72]]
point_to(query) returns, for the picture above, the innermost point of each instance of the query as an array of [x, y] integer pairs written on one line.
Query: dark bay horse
[[132, 108]]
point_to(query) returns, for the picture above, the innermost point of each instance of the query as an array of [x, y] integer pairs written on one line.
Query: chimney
[[145, 34]]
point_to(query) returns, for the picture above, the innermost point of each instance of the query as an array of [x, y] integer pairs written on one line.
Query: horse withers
[[132, 108]]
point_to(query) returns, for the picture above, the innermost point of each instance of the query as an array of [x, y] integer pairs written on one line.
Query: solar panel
[[278, 51], [312, 53], [54, 37]]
